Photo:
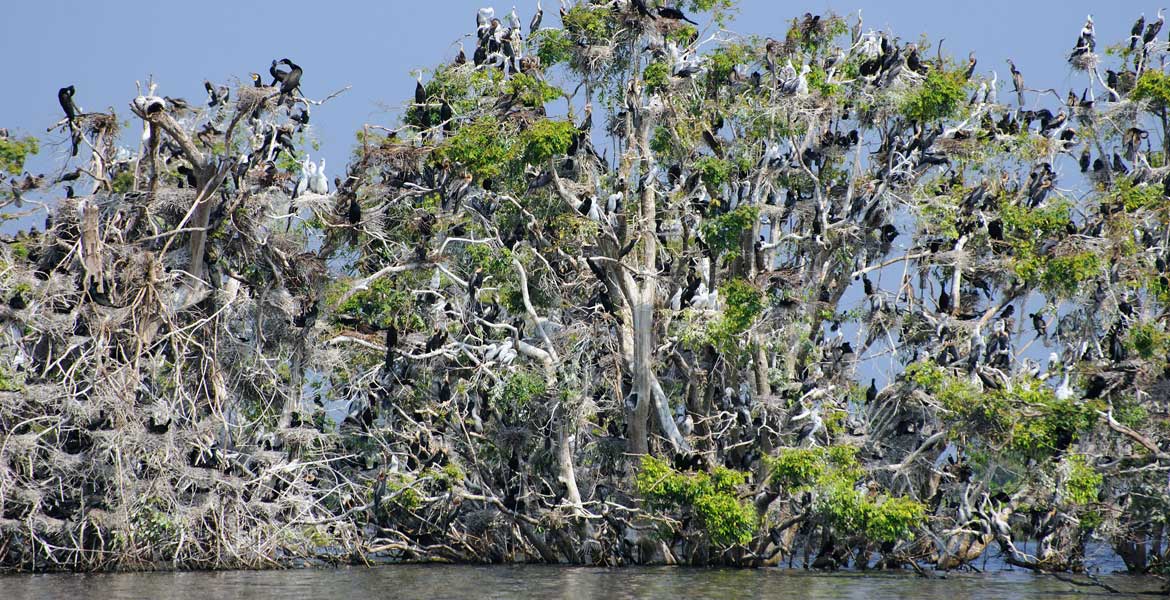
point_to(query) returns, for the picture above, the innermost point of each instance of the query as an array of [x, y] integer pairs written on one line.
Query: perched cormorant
[[65, 97], [1154, 28], [536, 18], [1135, 34], [292, 79], [872, 392], [667, 12]]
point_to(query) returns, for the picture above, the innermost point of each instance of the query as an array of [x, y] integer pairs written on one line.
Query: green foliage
[[832, 474], [1083, 483], [741, 303], [531, 91], [1148, 339], [123, 182], [553, 47], [1026, 417], [1026, 229], [656, 76], [13, 153], [710, 497], [723, 233], [1136, 197], [805, 468], [591, 25], [483, 147], [721, 63], [545, 139], [383, 304], [1153, 86], [715, 172], [939, 97], [518, 390]]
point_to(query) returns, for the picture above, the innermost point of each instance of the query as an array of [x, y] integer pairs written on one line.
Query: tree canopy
[[621, 291]]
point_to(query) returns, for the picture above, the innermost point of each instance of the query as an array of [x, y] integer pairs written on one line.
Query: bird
[[944, 301], [667, 12], [65, 98], [1064, 391], [292, 79], [1039, 324], [871, 392], [1018, 82], [1154, 28], [307, 171], [1135, 34], [420, 92], [536, 18], [318, 183], [216, 95]]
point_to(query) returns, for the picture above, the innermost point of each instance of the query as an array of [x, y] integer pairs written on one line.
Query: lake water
[[547, 583]]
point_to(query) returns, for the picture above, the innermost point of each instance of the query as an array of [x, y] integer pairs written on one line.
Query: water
[[547, 583]]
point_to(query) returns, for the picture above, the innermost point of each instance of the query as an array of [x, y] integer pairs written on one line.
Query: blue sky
[[102, 48]]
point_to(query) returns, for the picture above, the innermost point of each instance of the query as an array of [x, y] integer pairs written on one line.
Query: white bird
[[308, 169], [1064, 391], [514, 19], [483, 19], [992, 95], [802, 81], [319, 184]]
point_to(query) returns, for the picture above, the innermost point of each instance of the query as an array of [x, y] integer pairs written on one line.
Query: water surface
[[548, 583]]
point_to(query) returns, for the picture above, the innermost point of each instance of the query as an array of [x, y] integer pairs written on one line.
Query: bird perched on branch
[[65, 98], [291, 82], [674, 14]]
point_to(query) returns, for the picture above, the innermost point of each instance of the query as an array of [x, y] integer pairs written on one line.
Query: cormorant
[[1135, 34], [292, 79], [420, 92], [1018, 82], [355, 211], [65, 97], [667, 12], [872, 392], [640, 5], [944, 301], [1085, 160], [536, 18], [319, 183], [256, 81], [1154, 28], [1039, 324]]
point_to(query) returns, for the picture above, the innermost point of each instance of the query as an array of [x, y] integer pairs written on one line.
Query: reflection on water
[[522, 582]]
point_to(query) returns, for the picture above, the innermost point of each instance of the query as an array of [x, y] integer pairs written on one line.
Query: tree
[[637, 329]]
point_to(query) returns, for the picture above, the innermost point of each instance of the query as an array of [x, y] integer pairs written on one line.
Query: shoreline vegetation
[[621, 288]]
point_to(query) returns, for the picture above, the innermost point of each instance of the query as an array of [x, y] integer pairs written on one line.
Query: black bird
[[872, 392], [944, 301], [865, 281], [292, 79], [1135, 34], [355, 211], [1085, 159], [277, 75], [420, 92], [65, 97], [1154, 28], [216, 96], [1119, 166], [256, 80], [1039, 324], [667, 12], [640, 5]]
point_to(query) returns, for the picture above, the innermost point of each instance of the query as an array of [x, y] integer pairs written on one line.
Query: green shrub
[[711, 498], [939, 97]]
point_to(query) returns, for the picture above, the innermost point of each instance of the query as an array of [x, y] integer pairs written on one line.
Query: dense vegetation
[[625, 291]]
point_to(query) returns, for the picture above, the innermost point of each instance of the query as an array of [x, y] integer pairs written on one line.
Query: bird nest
[[1085, 62]]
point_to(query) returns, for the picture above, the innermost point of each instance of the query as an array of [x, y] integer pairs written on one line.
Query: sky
[[102, 48]]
